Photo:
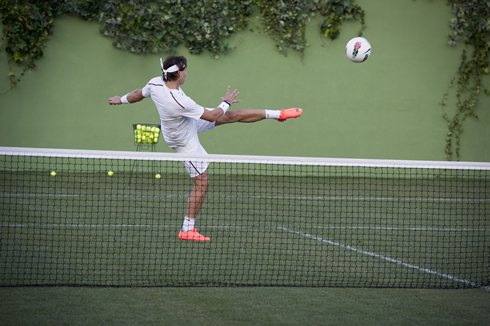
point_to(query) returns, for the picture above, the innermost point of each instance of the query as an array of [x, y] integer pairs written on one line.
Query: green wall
[[385, 108]]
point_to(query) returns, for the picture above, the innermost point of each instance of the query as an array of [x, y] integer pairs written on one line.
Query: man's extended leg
[[252, 115], [194, 204], [242, 115]]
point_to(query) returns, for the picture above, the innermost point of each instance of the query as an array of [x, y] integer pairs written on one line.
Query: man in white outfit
[[182, 119]]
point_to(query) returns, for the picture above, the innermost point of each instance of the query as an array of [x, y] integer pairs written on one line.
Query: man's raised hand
[[231, 97]]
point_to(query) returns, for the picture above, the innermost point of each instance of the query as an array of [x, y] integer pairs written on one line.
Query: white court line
[[395, 229], [74, 225], [352, 198], [33, 225], [450, 277], [84, 195], [376, 198], [290, 231]]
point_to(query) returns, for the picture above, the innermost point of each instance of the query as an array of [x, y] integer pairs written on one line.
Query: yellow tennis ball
[[53, 173], [110, 173], [158, 176]]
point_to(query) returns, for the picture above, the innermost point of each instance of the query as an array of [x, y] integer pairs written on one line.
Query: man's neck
[[174, 84]]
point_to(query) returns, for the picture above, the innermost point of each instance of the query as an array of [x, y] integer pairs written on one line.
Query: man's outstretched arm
[[134, 96]]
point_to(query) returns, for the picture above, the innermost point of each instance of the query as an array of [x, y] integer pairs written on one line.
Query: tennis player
[[182, 119]]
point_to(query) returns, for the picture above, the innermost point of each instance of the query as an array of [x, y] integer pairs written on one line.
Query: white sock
[[272, 114], [188, 224]]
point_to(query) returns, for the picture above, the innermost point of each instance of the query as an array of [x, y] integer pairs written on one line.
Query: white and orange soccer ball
[[358, 49]]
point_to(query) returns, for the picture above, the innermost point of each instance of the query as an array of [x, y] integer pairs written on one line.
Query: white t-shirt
[[177, 111]]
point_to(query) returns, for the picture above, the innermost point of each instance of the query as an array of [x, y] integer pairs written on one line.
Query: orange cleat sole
[[290, 113], [192, 235]]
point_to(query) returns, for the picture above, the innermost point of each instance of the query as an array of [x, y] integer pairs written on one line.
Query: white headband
[[173, 68]]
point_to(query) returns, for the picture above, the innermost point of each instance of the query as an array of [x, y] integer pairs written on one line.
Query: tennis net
[[273, 221]]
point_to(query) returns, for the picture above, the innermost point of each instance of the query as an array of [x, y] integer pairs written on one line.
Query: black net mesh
[[270, 223]]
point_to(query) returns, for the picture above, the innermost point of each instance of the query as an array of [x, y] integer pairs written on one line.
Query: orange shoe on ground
[[192, 235], [290, 113]]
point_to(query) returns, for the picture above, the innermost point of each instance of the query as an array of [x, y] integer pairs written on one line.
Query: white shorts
[[196, 168], [203, 125]]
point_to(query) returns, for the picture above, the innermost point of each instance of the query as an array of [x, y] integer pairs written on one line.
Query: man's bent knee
[[229, 117], [202, 180]]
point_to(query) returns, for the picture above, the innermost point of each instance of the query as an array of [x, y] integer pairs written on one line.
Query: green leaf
[[17, 57]]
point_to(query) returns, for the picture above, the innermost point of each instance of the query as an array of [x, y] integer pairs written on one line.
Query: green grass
[[86, 228], [242, 306]]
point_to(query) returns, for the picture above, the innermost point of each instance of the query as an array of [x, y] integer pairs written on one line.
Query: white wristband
[[224, 106], [124, 99]]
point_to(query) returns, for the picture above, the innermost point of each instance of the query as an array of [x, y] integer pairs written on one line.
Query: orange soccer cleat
[[192, 235], [290, 113]]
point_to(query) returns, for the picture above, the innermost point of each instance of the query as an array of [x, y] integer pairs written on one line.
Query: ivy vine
[[472, 24], [144, 26], [286, 20], [26, 27], [336, 12]]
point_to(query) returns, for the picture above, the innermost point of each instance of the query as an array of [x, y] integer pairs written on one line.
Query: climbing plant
[[26, 27], [286, 21], [143, 26], [472, 24], [336, 12]]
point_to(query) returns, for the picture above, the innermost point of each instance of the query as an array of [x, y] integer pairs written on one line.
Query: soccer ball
[[358, 49]]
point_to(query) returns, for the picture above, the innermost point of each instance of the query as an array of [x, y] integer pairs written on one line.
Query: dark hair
[[180, 61]]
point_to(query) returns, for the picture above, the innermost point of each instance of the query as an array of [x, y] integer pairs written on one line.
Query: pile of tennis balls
[[146, 134]]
